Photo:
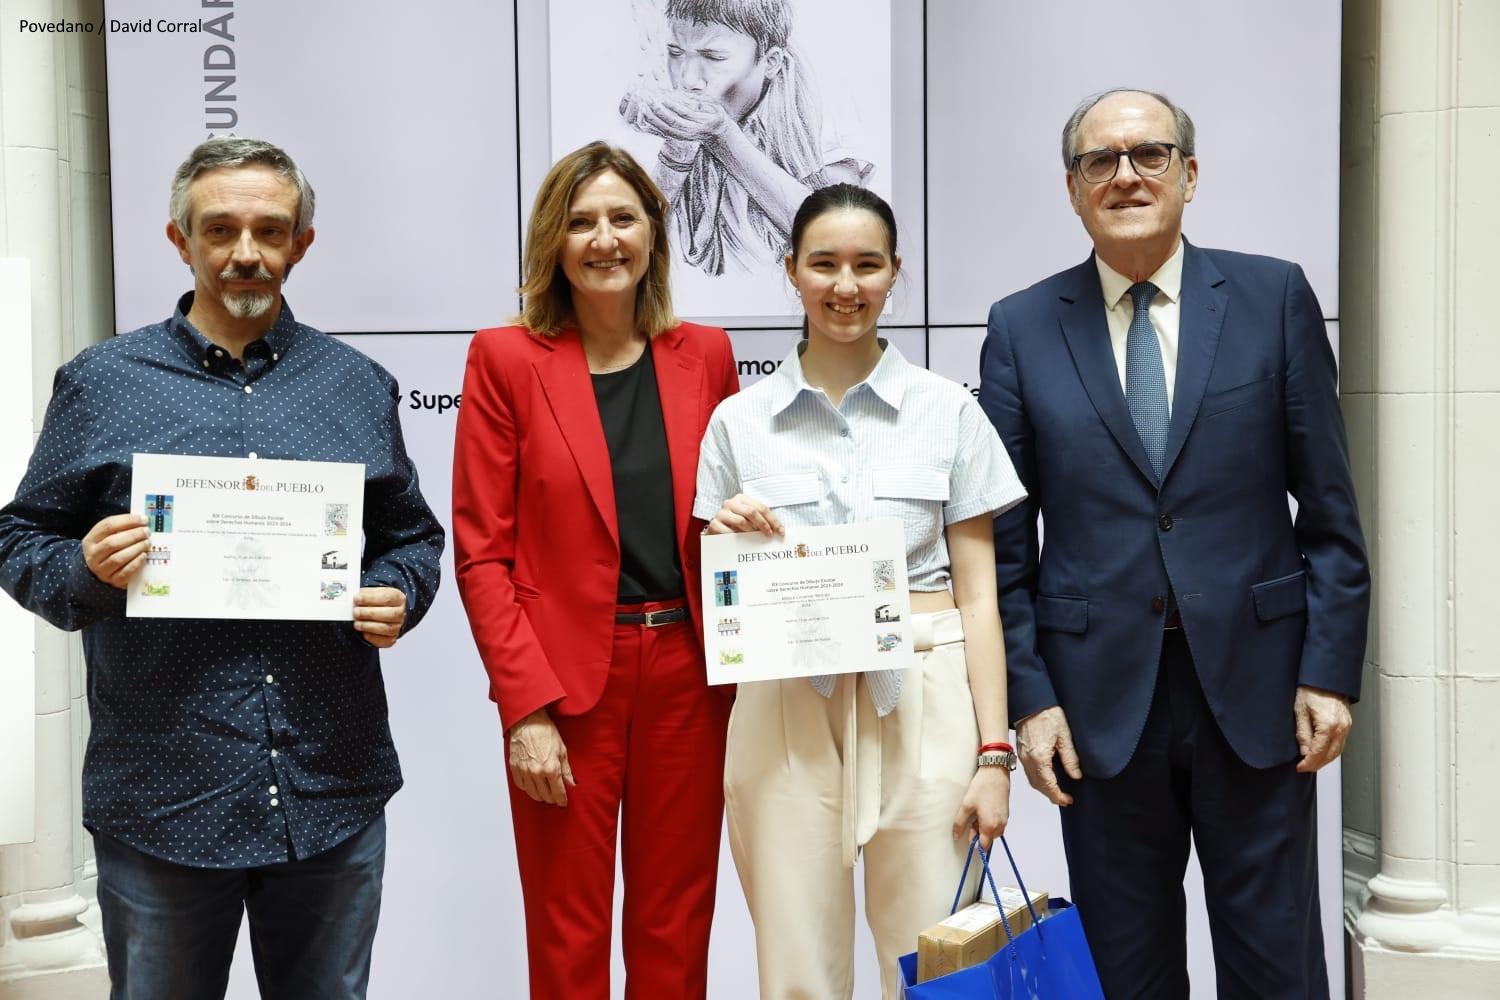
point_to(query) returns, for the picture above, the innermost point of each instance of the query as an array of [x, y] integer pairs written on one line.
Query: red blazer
[[536, 541]]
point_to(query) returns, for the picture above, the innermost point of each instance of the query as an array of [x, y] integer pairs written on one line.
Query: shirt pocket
[[914, 495], [785, 489]]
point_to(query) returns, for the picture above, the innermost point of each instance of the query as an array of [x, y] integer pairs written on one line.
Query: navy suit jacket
[[1268, 600]]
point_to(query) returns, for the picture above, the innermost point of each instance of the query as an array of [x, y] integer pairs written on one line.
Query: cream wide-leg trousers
[[811, 782]]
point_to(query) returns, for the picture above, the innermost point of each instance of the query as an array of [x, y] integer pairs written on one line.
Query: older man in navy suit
[[1183, 647]]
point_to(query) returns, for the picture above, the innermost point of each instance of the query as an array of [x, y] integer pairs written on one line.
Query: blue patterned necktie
[[1145, 378]]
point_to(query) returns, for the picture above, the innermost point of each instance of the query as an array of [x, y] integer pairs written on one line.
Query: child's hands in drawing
[[675, 115]]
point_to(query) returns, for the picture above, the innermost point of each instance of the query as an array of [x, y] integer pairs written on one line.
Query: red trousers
[[649, 762]]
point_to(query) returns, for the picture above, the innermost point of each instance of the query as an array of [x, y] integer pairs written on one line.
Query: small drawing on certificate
[[336, 519], [885, 574], [156, 580], [159, 511], [726, 588]]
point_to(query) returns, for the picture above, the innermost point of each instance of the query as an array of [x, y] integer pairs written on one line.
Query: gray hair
[[235, 151], [1186, 138]]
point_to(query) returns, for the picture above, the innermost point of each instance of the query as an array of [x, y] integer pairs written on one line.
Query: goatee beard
[[248, 305]]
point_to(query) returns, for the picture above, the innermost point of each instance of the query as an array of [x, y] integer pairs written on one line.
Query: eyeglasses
[[1148, 159]]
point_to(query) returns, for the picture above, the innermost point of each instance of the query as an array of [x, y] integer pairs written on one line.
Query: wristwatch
[[997, 758]]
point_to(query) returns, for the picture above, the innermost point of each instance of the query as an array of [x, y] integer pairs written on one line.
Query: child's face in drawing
[[713, 60]]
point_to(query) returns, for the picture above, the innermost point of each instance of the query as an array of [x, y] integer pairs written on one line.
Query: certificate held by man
[[247, 538], [826, 600]]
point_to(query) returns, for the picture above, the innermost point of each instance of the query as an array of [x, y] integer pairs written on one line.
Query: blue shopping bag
[[1048, 961]]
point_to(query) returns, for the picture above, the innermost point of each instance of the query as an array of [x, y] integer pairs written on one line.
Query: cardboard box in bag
[[973, 934]]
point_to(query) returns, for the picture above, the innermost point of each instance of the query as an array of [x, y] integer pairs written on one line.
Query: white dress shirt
[[1166, 310]]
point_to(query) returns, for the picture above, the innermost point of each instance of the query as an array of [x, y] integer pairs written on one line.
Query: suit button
[[1165, 522], [1158, 605]]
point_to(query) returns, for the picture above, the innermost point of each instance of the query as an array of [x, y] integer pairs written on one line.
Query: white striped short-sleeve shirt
[[904, 443]]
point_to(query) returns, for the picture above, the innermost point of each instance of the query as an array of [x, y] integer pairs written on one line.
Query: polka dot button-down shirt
[[221, 743]]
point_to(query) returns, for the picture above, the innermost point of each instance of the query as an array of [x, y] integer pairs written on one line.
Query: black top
[[630, 409]]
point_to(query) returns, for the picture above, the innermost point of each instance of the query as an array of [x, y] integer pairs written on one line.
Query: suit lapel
[[679, 383], [1086, 330], [1200, 318], [564, 375]]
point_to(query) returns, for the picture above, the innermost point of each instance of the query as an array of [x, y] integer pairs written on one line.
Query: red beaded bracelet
[[997, 747]]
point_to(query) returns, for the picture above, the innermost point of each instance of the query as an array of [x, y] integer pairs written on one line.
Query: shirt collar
[[279, 338], [888, 380], [1167, 279]]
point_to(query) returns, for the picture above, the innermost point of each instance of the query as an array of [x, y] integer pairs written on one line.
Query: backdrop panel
[[1261, 81], [404, 122]]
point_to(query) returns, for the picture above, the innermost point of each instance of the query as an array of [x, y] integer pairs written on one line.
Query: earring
[[888, 292], [797, 292]]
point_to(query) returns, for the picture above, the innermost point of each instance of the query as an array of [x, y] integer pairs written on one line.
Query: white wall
[[17, 628]]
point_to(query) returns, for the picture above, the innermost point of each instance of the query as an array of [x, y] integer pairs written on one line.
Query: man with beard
[[233, 765]]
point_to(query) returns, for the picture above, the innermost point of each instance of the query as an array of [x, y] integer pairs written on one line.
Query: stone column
[[54, 185], [1421, 210]]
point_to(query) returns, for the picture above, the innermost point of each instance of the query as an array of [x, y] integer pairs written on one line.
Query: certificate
[[814, 601], [247, 538]]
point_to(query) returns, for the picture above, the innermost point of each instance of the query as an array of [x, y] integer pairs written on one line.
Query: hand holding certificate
[[247, 538], [827, 600]]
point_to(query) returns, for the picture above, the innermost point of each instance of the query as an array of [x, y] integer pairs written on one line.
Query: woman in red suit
[[577, 560]]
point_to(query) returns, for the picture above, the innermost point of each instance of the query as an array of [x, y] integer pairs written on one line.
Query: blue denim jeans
[[170, 930]]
